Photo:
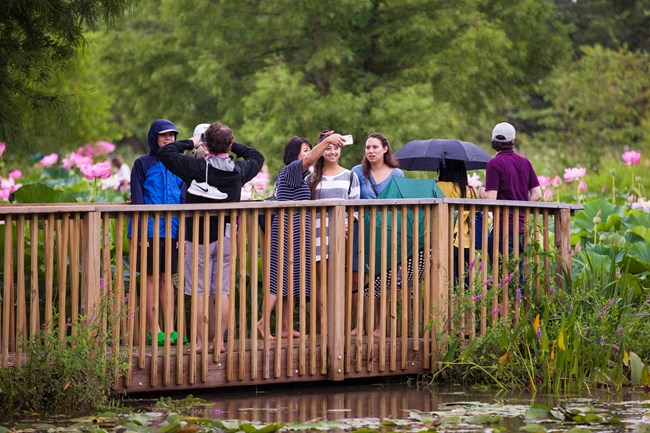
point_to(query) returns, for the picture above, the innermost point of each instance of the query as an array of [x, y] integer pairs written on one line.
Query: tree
[[272, 69], [38, 39], [610, 23], [597, 106]]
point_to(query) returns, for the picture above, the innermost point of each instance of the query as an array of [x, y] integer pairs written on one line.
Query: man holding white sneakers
[[216, 179]]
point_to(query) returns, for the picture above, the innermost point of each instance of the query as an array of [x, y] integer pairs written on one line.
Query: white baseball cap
[[200, 128], [503, 133]]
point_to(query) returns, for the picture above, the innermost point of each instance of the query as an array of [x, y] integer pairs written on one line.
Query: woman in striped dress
[[290, 186], [330, 181]]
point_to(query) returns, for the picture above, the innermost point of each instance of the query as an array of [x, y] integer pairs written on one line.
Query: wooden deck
[[62, 261]]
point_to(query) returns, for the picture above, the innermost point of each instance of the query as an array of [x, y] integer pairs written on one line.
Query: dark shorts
[[161, 258], [355, 247]]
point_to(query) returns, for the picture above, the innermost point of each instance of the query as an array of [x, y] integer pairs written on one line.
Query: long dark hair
[[453, 170], [389, 159], [292, 149], [317, 176]]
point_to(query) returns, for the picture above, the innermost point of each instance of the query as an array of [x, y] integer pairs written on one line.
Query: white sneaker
[[204, 190]]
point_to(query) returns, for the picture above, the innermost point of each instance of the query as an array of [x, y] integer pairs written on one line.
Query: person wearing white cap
[[214, 179], [509, 176]]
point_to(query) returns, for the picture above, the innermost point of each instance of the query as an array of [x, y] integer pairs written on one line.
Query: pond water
[[402, 407], [365, 408]]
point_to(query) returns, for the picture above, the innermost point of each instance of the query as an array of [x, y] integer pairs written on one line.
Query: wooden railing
[[60, 261]]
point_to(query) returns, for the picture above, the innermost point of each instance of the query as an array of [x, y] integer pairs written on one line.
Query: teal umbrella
[[399, 187]]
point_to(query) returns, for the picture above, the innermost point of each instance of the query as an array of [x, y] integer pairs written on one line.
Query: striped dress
[[290, 185], [344, 185]]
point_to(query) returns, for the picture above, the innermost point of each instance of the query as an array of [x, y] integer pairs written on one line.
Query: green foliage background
[[572, 76]]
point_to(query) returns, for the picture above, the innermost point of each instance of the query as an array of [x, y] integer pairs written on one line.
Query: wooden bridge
[[60, 261]]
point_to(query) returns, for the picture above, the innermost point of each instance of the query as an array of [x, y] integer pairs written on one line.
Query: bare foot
[[295, 334], [259, 329]]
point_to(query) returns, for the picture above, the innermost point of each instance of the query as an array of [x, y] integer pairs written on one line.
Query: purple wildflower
[[471, 266], [126, 298], [507, 280], [619, 331], [518, 293], [487, 282], [477, 297], [602, 340], [539, 334], [68, 321], [616, 346], [480, 268], [605, 308], [102, 283], [496, 311]]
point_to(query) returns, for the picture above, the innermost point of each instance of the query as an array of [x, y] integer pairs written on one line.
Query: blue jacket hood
[[158, 126]]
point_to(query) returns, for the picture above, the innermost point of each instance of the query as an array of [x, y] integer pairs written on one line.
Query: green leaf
[[533, 428], [451, 353], [482, 419], [636, 368], [269, 428], [41, 193], [537, 412]]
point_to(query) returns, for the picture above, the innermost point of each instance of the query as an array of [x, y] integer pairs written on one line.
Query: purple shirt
[[511, 176]]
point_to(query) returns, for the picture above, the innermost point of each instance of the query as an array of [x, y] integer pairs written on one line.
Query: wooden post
[[91, 249], [336, 293], [439, 278], [562, 244]]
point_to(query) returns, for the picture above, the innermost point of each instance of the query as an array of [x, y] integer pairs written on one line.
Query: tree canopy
[[38, 38], [411, 69]]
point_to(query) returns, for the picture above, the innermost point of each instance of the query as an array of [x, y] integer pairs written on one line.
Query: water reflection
[[295, 404]]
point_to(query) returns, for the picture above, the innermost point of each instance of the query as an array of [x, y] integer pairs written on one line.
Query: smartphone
[[202, 135], [348, 140]]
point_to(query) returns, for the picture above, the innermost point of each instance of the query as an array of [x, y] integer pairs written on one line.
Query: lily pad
[[533, 428]]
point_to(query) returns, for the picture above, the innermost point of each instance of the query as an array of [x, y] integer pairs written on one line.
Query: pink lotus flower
[[76, 159], [548, 194], [15, 174], [105, 147], [631, 157], [582, 187], [557, 181], [571, 174], [49, 160], [7, 186], [642, 205], [3, 147], [544, 182], [101, 170]]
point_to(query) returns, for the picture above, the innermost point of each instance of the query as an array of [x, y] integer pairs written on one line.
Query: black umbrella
[[427, 154]]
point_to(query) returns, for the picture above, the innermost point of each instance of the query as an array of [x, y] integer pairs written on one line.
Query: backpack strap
[[350, 186]]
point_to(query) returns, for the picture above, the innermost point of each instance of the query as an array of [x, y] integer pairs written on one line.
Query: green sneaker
[[173, 337], [161, 339]]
